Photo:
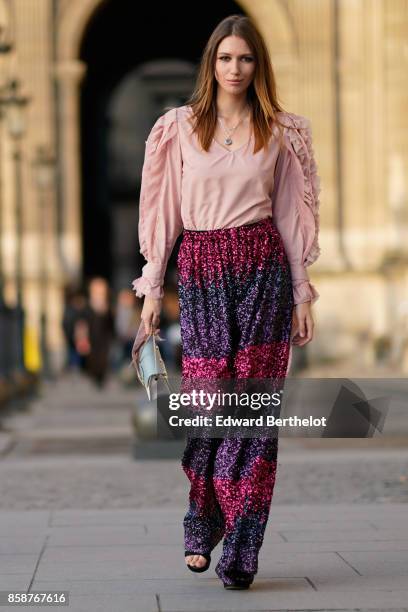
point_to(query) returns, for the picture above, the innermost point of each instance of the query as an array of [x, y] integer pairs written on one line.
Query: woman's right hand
[[151, 313]]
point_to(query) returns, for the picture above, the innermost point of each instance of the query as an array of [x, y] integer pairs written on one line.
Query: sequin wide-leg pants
[[236, 304]]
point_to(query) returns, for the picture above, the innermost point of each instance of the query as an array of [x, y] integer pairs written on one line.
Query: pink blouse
[[186, 187]]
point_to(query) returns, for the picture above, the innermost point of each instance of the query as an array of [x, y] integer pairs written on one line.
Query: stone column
[[69, 75]]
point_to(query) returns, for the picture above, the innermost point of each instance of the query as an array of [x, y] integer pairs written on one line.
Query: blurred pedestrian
[[170, 329], [127, 320], [75, 304], [100, 321]]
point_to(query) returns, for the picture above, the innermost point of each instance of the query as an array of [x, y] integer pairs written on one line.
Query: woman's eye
[[245, 58]]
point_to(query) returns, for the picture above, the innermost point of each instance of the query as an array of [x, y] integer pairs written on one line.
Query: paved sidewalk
[[331, 557], [79, 512]]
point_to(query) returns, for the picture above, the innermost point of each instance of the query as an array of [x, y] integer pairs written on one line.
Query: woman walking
[[234, 173]]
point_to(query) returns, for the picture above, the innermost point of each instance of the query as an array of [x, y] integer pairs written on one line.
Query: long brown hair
[[261, 94]]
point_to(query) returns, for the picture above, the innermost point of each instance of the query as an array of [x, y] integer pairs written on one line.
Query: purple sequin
[[236, 304]]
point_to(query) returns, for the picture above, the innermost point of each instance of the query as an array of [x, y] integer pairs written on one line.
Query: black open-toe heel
[[204, 568], [238, 585], [241, 582]]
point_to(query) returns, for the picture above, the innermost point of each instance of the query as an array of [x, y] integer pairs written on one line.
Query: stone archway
[[274, 20], [73, 19]]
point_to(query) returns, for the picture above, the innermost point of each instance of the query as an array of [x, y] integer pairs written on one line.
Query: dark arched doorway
[[140, 58]]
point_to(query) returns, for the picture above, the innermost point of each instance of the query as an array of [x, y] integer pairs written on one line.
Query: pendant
[[228, 141]]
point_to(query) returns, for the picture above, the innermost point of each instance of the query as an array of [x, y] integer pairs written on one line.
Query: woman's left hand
[[302, 324]]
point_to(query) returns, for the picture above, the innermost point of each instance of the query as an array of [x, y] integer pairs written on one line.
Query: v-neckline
[[234, 150], [220, 145]]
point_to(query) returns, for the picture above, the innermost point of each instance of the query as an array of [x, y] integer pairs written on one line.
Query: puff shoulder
[[300, 137]]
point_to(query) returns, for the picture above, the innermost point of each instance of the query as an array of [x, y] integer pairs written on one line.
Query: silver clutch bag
[[148, 362]]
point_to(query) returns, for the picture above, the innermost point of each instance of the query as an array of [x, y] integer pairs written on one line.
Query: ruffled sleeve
[[160, 220], [295, 204]]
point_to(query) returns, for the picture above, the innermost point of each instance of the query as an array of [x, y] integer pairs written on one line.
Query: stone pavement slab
[[266, 598], [314, 557]]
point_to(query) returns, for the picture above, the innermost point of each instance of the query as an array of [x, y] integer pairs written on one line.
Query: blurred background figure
[[127, 320], [170, 329], [100, 330], [74, 308]]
